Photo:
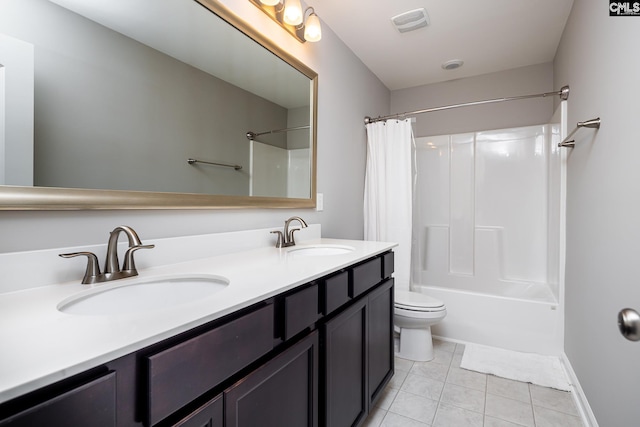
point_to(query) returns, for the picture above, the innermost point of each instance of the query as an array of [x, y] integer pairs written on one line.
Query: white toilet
[[414, 313]]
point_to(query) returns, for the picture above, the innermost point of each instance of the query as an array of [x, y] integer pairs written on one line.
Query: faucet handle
[[129, 263], [93, 268], [292, 240], [279, 242]]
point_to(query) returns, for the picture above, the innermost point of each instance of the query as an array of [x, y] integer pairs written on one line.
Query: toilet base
[[416, 344]]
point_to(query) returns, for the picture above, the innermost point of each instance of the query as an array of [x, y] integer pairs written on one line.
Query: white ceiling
[[488, 35]]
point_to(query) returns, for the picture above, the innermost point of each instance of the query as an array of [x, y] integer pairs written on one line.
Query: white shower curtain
[[388, 191]]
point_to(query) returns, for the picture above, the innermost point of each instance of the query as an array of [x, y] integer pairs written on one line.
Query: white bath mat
[[546, 371]]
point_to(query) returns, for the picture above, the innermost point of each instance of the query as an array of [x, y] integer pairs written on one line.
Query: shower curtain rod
[[562, 93], [252, 135]]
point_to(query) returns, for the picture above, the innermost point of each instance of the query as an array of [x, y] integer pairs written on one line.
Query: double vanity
[[295, 336], [214, 330]]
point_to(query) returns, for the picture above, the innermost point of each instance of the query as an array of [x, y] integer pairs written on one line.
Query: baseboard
[[588, 418], [447, 339]]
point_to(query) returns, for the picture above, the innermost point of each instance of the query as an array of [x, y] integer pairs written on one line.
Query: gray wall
[[598, 58], [520, 81], [347, 92], [298, 138]]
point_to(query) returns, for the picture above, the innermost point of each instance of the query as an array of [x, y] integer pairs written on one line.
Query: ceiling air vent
[[411, 20], [452, 64]]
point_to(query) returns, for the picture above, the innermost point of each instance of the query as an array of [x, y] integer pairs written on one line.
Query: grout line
[[531, 402], [484, 408]]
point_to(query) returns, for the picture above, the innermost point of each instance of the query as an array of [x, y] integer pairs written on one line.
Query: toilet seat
[[415, 301]]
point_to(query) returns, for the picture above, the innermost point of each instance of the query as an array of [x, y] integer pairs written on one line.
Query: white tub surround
[[42, 345], [489, 234]]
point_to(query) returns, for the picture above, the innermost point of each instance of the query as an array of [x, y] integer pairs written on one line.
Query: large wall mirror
[[141, 104]]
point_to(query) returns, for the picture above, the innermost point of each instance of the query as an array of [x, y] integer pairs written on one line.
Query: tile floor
[[441, 394]]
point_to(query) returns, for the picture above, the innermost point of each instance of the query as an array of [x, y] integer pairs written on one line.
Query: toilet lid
[[417, 301]]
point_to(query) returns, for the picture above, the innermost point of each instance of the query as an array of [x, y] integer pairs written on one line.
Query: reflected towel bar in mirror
[[226, 165], [252, 135]]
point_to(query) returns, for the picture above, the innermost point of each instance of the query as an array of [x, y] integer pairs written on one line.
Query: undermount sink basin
[[319, 250], [143, 295]]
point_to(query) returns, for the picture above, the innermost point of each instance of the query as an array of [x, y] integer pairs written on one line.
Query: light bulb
[[312, 30], [292, 12], [270, 2]]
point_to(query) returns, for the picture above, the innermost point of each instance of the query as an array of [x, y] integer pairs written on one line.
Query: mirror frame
[[51, 198]]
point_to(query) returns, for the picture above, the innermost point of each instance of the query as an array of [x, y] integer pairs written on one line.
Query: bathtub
[[510, 316]]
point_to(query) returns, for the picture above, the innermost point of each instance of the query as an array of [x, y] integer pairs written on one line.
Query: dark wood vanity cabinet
[[358, 354], [318, 355], [358, 343]]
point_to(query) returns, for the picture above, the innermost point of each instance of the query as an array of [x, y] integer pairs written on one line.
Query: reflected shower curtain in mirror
[[388, 191]]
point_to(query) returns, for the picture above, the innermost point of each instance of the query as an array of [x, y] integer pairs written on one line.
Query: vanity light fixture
[[312, 29], [292, 12], [289, 14]]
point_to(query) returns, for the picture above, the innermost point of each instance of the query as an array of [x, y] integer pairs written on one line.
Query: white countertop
[[41, 345]]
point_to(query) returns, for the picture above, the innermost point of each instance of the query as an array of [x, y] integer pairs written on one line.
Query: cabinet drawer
[[300, 311], [365, 276], [335, 292], [388, 265], [180, 374], [92, 404]]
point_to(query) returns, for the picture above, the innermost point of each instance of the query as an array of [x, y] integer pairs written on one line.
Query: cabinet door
[[281, 393], [345, 367], [380, 339], [209, 415]]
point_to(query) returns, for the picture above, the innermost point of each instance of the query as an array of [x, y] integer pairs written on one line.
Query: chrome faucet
[[287, 239], [112, 270]]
